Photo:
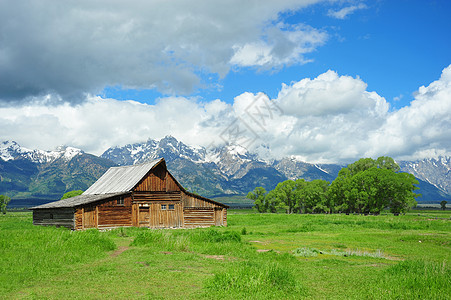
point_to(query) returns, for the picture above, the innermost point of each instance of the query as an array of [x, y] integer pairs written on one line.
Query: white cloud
[[282, 45], [329, 118], [345, 11], [329, 94], [421, 129], [70, 49]]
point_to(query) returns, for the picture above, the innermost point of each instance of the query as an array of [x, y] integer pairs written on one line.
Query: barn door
[[90, 217], [144, 216]]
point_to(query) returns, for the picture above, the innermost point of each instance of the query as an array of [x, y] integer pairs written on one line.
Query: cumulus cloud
[[330, 118], [422, 129], [98, 124], [70, 50]]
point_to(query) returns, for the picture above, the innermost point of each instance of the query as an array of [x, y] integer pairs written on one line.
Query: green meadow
[[258, 256]]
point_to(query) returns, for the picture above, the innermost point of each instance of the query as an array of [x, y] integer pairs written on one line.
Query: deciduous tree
[[4, 200], [258, 196]]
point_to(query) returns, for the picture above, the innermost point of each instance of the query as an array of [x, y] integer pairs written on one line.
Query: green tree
[[386, 162], [361, 165], [316, 198], [403, 197], [338, 192], [443, 204], [300, 185], [368, 186], [4, 200], [272, 201], [71, 194], [258, 196], [285, 195]]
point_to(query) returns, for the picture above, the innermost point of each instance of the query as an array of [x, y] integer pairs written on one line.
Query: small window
[[171, 206], [163, 206], [120, 201]]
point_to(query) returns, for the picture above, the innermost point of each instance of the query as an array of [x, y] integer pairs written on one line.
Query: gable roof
[[77, 200], [121, 179]]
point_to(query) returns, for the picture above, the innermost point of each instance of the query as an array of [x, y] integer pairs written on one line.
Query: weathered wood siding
[[224, 215], [190, 201], [78, 218], [200, 212], [105, 214], [198, 216], [111, 214], [64, 217], [154, 209], [158, 180]]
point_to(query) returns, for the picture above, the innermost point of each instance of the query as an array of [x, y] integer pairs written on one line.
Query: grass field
[[258, 256]]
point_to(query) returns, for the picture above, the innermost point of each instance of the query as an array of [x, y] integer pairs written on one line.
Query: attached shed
[[144, 195]]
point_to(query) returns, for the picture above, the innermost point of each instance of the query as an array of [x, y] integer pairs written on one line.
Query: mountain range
[[37, 176], [32, 177]]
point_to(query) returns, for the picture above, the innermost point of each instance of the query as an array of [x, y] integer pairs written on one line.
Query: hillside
[[232, 170], [33, 177]]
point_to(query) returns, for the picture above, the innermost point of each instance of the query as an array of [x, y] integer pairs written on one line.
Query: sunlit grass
[[259, 256]]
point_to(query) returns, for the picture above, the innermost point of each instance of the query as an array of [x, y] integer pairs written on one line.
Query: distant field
[[259, 256]]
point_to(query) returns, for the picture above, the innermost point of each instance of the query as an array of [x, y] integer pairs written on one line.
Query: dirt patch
[[394, 258], [119, 251], [217, 257], [260, 242], [167, 252], [263, 250]]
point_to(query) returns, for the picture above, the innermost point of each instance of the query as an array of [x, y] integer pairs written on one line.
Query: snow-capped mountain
[[434, 171], [214, 171], [41, 176], [231, 169], [10, 150]]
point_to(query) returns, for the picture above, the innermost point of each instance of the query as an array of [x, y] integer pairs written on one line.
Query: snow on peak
[[71, 152], [236, 150], [10, 150]]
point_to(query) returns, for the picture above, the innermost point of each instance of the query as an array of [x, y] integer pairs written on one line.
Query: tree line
[[366, 186]]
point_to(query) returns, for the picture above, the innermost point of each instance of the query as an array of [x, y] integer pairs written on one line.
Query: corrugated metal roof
[[78, 200], [120, 179]]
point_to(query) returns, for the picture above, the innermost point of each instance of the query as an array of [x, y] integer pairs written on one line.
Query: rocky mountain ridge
[[33, 177], [234, 170], [211, 172]]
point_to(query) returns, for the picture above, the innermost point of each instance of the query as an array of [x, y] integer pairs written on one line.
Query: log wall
[[54, 217], [105, 214], [198, 217], [190, 201]]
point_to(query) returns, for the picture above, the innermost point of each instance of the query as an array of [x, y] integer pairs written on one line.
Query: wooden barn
[[144, 195]]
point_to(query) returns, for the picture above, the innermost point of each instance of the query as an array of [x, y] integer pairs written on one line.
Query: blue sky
[[347, 78], [394, 46]]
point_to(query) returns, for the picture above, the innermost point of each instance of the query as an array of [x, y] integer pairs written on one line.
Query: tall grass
[[416, 279], [30, 253], [217, 263], [310, 223], [206, 241], [255, 280]]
